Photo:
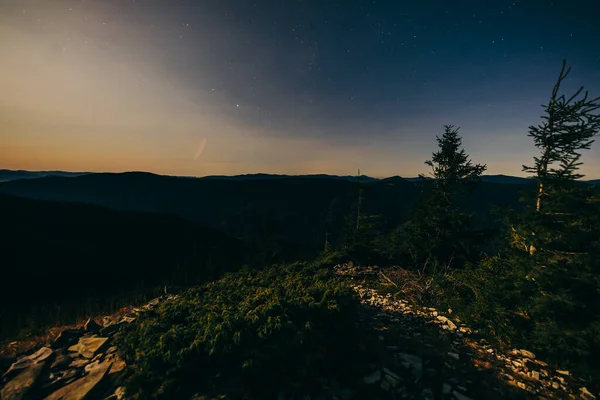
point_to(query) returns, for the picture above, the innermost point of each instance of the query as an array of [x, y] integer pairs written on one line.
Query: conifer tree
[[568, 127], [437, 232], [450, 165], [558, 233]]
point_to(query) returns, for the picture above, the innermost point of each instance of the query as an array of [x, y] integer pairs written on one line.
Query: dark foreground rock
[[78, 364]]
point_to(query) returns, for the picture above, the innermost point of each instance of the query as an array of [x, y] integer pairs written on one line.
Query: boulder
[[527, 354], [25, 362], [88, 347], [372, 378], [58, 380], [118, 363], [446, 389], [128, 319], [413, 363], [66, 338], [61, 361], [83, 387], [79, 363], [92, 326], [585, 394], [17, 388]]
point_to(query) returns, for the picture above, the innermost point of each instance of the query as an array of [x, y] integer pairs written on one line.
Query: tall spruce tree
[[568, 127], [437, 232], [557, 235]]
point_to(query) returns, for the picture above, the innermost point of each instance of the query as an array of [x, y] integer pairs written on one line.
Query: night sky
[[292, 87]]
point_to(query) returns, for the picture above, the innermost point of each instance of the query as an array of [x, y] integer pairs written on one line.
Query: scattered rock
[[585, 394], [391, 378], [91, 366], [372, 378], [388, 311], [17, 388], [92, 326], [79, 363], [66, 338], [82, 387], [111, 328], [427, 394], [61, 361], [153, 302], [120, 392], [446, 388], [412, 362], [527, 354], [128, 319], [26, 361], [118, 363], [88, 347]]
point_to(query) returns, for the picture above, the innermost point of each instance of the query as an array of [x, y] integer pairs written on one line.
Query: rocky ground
[[78, 363], [430, 354], [418, 353]]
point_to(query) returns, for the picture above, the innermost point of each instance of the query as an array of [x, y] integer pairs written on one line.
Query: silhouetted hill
[[62, 252], [506, 179], [286, 209], [10, 175], [363, 178]]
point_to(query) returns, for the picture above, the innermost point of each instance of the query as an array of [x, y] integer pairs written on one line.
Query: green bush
[[552, 311], [250, 333]]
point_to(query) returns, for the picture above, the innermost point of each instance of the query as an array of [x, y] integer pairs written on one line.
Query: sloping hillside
[[61, 253]]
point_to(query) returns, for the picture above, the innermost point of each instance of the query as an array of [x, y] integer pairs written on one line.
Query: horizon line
[[585, 178]]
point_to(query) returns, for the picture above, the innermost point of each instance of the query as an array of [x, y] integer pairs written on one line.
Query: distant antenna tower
[[359, 200]]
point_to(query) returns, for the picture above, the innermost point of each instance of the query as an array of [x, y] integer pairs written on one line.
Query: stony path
[[427, 355]]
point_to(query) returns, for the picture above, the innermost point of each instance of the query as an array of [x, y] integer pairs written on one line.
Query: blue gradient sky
[[229, 87]]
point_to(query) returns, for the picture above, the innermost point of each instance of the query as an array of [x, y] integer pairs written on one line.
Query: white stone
[[372, 378], [446, 388], [528, 354], [585, 394]]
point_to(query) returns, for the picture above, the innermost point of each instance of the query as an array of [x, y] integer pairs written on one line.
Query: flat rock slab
[[18, 387], [66, 338], [88, 347], [82, 387], [25, 362]]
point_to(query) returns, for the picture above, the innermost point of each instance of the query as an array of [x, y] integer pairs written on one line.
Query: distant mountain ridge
[[9, 175], [298, 210]]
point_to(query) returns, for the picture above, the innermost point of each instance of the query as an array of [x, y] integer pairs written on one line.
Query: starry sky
[[209, 87]]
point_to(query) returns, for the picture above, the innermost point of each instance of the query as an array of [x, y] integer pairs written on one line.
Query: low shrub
[[253, 333]]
